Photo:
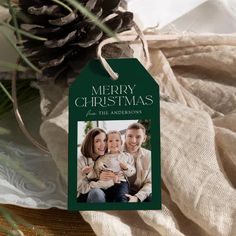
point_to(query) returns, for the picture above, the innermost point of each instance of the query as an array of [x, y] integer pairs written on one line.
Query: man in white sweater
[[141, 182]]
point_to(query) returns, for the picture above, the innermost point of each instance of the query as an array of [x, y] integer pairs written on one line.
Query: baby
[[118, 162]]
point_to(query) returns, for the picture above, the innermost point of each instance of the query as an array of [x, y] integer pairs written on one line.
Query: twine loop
[[19, 118], [126, 36]]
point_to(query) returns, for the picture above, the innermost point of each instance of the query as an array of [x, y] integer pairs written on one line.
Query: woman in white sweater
[[89, 189]]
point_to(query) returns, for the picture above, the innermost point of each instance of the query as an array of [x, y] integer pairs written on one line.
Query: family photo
[[114, 161]]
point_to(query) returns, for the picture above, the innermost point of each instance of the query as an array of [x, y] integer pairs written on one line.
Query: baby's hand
[[120, 175], [116, 179], [123, 166], [87, 169], [106, 175]]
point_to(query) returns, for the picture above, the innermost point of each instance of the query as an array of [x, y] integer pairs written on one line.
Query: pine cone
[[72, 39]]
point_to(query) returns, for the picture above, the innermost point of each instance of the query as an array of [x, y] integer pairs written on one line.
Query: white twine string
[[20, 120], [123, 37], [132, 37]]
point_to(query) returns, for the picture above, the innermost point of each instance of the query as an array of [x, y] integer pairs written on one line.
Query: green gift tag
[[114, 139]]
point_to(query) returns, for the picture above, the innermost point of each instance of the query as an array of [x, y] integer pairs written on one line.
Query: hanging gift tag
[[114, 139]]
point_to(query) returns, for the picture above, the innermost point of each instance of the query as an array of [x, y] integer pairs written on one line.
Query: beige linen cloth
[[197, 79]]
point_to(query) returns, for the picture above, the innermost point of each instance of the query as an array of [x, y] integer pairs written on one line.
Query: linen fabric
[[197, 79]]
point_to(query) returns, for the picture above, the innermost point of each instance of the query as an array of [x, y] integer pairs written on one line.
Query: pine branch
[[92, 17]]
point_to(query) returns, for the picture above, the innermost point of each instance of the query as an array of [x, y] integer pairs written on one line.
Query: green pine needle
[[9, 219], [12, 11], [63, 5], [21, 54], [4, 131], [15, 220], [92, 17], [5, 231], [4, 3], [6, 92], [38, 232], [25, 94], [12, 66], [22, 32]]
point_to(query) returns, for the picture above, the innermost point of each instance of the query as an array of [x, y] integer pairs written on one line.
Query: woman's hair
[[87, 146]]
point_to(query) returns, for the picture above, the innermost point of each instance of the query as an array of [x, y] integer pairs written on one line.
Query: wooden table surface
[[53, 222]]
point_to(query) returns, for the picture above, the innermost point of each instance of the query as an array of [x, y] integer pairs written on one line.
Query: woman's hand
[[87, 169], [132, 198], [116, 179], [107, 175]]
